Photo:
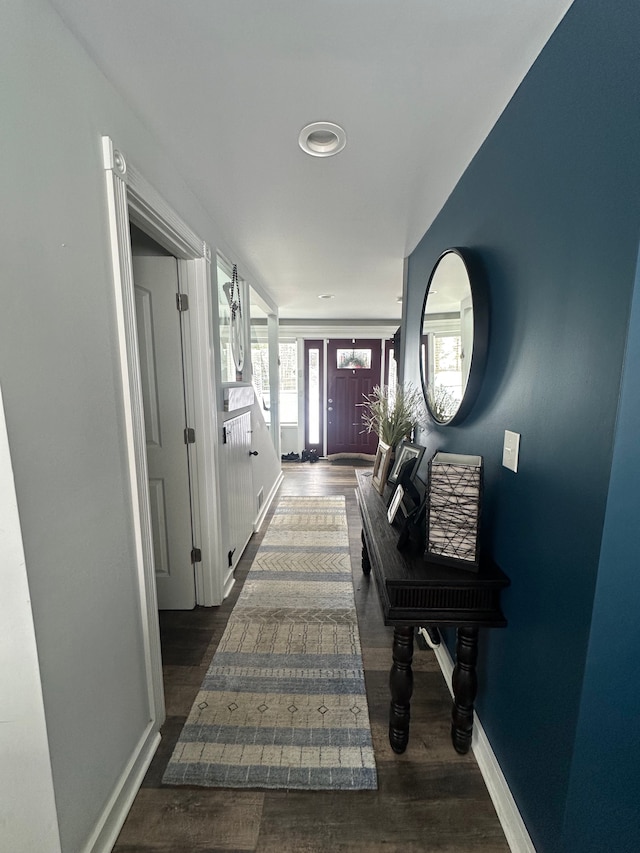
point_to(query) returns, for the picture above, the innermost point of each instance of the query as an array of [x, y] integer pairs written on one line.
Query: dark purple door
[[353, 369]]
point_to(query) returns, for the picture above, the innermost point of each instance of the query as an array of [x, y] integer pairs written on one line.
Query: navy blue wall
[[606, 770], [551, 206]]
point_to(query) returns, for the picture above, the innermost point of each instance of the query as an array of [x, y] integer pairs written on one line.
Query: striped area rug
[[283, 704]]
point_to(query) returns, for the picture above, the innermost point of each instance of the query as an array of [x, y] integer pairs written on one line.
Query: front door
[[353, 369], [161, 368]]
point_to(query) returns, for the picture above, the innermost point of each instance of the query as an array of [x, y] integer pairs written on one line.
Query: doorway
[[132, 200], [353, 369]]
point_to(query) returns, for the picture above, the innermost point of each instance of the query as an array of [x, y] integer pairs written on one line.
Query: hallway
[[429, 799]]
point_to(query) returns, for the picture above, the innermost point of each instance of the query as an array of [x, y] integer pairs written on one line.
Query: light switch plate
[[511, 450]]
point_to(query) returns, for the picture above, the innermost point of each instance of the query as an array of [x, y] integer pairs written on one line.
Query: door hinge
[[189, 436], [196, 555], [182, 302], [224, 435]]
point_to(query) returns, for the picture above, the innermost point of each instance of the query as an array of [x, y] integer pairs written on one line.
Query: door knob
[[330, 409], [253, 453]]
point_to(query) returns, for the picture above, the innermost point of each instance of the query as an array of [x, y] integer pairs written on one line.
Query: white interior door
[[161, 368]]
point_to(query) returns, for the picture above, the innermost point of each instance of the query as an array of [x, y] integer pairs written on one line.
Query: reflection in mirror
[[447, 337], [231, 322], [260, 355]]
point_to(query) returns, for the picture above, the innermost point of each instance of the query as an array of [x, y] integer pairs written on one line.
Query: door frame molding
[[131, 198]]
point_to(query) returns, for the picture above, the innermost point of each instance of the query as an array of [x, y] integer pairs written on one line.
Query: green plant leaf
[[393, 418]]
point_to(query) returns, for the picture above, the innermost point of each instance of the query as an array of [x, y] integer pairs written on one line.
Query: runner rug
[[283, 704]]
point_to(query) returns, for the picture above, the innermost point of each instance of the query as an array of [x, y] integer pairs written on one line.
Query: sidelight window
[[288, 351]]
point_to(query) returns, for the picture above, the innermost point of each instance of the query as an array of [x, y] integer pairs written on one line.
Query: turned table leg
[[366, 563], [465, 687], [401, 684]]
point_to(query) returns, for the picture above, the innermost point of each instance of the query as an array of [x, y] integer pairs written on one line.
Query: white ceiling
[[228, 85]]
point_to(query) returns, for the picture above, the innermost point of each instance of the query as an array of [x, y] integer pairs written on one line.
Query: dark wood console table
[[414, 592]]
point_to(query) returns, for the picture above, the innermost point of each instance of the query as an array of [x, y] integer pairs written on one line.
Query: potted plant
[[392, 417]]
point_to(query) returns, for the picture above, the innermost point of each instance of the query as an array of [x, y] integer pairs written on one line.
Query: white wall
[[59, 374], [27, 806], [290, 439]]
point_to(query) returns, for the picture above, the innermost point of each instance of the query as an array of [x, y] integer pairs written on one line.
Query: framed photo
[[381, 466], [396, 500], [405, 452]]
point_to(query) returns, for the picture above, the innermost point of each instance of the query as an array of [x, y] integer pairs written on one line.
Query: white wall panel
[[158, 506], [239, 484], [148, 366]]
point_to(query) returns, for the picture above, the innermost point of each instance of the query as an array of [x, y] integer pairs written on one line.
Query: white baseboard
[[512, 824], [108, 827], [267, 503], [228, 582]]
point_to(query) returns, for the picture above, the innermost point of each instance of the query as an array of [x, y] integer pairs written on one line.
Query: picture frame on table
[[394, 506], [406, 452], [381, 466]]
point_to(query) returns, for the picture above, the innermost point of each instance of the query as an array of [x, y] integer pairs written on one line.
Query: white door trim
[[130, 197]]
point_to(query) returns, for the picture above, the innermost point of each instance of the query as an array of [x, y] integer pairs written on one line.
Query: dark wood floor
[[428, 799]]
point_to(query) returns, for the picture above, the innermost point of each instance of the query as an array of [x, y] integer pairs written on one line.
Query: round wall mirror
[[454, 338]]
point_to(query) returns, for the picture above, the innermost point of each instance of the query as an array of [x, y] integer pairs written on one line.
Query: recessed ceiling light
[[326, 296], [322, 139]]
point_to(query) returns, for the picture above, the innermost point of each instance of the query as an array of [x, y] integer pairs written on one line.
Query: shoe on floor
[[290, 457]]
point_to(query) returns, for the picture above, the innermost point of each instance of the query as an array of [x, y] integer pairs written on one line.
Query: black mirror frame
[[480, 302]]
